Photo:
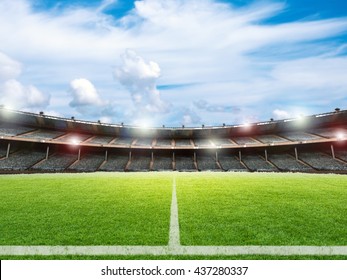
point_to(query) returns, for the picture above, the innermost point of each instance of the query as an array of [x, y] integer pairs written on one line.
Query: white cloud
[[281, 114], [228, 55], [15, 95], [84, 93], [9, 68], [140, 78]]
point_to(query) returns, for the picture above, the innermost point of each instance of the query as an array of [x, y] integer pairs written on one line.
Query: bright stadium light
[[340, 136], [74, 141]]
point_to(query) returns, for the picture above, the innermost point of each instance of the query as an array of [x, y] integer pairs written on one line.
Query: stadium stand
[[115, 162], [143, 142], [202, 143], [163, 142], [341, 154], [299, 136], [207, 163], [269, 139], [257, 163], [286, 162], [13, 130], [139, 163], [321, 161], [231, 163], [43, 134], [182, 142], [223, 142], [184, 163], [74, 138], [57, 162], [3, 149], [124, 141], [88, 162], [39, 143], [162, 163], [101, 140], [21, 160], [329, 132], [244, 140]]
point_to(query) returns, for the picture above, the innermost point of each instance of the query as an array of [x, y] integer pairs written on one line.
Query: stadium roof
[[267, 127]]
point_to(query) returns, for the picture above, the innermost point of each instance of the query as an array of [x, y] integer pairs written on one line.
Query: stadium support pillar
[[79, 154], [240, 156], [130, 156], [106, 155], [47, 152], [216, 156], [152, 156], [8, 149], [332, 151], [296, 154], [266, 155], [194, 156]]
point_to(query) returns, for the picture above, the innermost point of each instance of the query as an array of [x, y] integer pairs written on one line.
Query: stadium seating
[[88, 163], [231, 163], [43, 134], [202, 143], [143, 142], [256, 163], [101, 140], [139, 163], [207, 163], [321, 161], [10, 130], [299, 136], [163, 142], [287, 162], [329, 132], [269, 139], [244, 140], [115, 162], [222, 142], [341, 154], [57, 162], [21, 160], [74, 138], [124, 141], [184, 163], [80, 146], [162, 163], [183, 142]]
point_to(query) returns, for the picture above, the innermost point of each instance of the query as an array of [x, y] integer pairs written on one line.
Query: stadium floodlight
[[74, 141], [340, 136]]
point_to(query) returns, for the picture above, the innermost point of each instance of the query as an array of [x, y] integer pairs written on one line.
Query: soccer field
[[139, 209]]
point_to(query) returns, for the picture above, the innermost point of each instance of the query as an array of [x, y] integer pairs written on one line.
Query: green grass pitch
[[134, 209], [262, 209], [85, 209]]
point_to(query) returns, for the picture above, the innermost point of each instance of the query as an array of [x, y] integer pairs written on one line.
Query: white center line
[[174, 235]]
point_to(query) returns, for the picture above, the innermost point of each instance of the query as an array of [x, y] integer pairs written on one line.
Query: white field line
[[174, 235], [174, 247], [177, 250]]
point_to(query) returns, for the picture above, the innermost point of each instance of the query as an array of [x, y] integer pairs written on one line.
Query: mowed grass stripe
[[262, 209], [85, 209]]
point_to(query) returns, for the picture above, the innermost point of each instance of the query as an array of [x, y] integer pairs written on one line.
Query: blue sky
[[192, 62]]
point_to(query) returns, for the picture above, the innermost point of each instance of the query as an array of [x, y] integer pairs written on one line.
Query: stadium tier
[[39, 143]]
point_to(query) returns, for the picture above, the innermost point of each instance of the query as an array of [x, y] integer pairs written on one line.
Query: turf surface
[[134, 209], [85, 209], [262, 209]]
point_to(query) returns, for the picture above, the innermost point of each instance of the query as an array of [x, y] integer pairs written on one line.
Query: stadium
[[271, 189]]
